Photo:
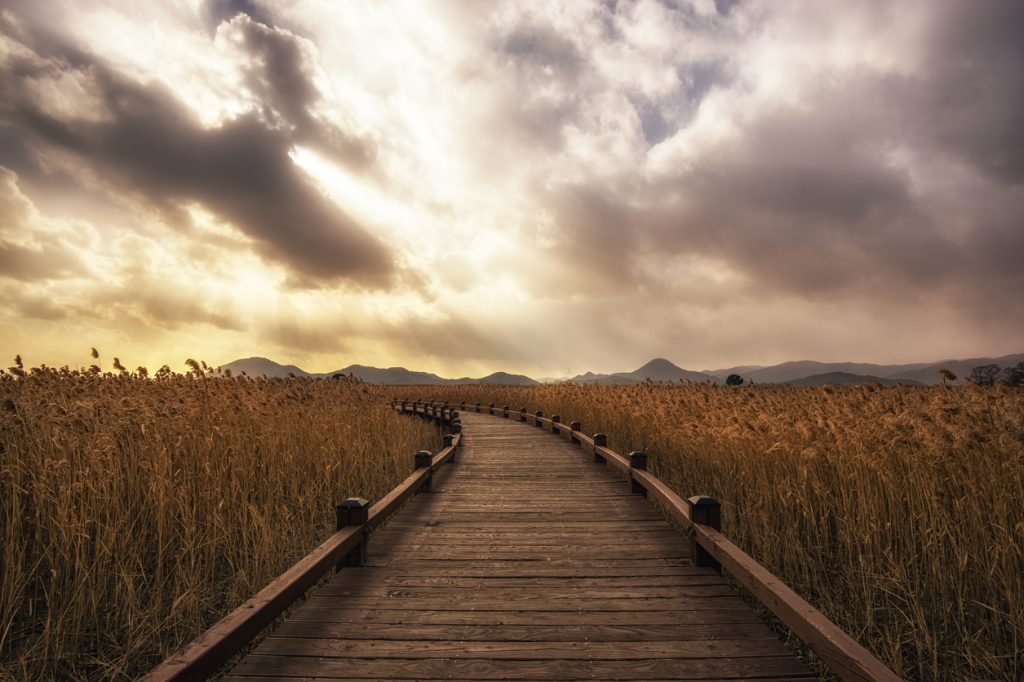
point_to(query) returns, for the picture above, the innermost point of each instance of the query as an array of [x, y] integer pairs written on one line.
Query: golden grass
[[135, 512], [899, 512]]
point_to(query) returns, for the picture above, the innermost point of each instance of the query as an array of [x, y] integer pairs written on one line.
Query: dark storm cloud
[[215, 12], [972, 98], [833, 195], [281, 75], [149, 143]]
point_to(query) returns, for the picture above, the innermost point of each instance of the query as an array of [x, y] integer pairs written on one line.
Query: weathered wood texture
[[526, 560]]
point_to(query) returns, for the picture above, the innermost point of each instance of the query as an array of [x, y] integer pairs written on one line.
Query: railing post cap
[[354, 503], [556, 418], [448, 438], [539, 413], [424, 453], [699, 501]]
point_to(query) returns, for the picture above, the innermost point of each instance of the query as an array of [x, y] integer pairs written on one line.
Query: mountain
[[789, 371], [929, 374], [848, 379], [256, 367], [798, 373], [391, 375], [742, 370], [658, 369], [506, 378]]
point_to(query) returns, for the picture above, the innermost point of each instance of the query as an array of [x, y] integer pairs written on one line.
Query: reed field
[[899, 512], [135, 511]]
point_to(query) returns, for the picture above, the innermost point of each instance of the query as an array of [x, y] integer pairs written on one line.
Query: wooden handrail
[[208, 652], [843, 656]]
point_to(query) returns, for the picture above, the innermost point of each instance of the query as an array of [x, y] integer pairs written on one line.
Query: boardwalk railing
[[700, 515], [356, 518]]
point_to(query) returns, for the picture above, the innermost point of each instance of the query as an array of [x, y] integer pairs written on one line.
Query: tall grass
[[899, 512], [134, 512]]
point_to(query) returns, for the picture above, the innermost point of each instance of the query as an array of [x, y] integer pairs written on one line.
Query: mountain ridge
[[797, 372]]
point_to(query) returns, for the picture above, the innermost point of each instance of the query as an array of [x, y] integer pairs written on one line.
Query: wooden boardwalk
[[525, 561]]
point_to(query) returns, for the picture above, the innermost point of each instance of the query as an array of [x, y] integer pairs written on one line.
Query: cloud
[[531, 184], [970, 100], [215, 12], [146, 141], [27, 252], [282, 73]]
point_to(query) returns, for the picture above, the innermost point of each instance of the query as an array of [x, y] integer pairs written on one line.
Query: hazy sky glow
[[543, 187]]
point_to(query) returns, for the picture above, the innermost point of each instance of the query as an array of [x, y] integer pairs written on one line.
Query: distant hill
[[742, 370], [658, 369], [848, 379], [399, 376], [391, 375], [506, 378], [929, 374], [797, 373], [256, 367], [789, 371], [919, 372]]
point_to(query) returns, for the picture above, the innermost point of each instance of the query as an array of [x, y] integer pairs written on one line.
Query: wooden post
[[352, 512], [555, 419], [456, 426], [478, 407], [600, 440], [522, 414], [707, 512], [462, 406], [449, 438], [537, 415], [574, 427], [490, 408], [423, 459], [453, 415], [638, 461], [504, 411]]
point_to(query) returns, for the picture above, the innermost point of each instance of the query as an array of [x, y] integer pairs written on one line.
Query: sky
[[545, 187]]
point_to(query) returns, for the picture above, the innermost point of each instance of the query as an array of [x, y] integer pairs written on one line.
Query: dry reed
[[135, 512], [897, 511]]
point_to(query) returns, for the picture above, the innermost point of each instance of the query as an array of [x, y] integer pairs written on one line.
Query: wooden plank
[[371, 578], [527, 595], [692, 603], [520, 651], [526, 633], [729, 611], [265, 678], [484, 669]]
